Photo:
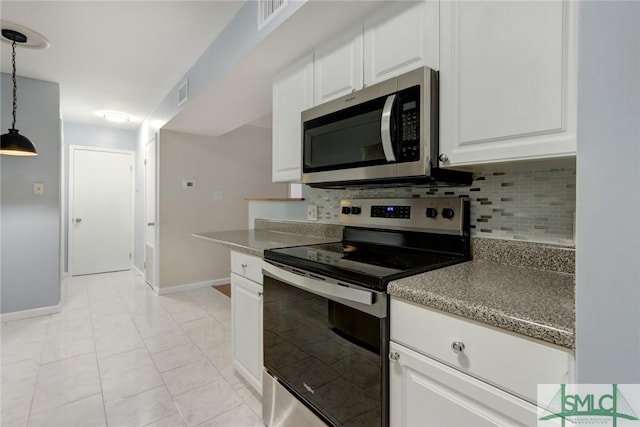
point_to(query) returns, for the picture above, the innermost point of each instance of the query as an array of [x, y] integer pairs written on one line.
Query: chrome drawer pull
[[394, 356], [457, 346]]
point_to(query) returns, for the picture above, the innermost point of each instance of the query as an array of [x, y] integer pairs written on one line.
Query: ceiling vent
[[268, 9]]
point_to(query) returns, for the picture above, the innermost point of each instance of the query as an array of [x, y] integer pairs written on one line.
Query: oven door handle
[[319, 287], [385, 129]]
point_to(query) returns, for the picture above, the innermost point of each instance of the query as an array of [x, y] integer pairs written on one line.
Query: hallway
[[118, 355]]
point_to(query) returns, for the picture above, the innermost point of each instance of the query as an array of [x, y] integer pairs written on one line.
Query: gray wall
[[30, 225], [608, 193], [90, 136]]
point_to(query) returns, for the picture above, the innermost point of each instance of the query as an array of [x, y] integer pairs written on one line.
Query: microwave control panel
[[410, 132]]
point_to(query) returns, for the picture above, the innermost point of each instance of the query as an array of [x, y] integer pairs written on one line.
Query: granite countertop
[[255, 242], [539, 304]]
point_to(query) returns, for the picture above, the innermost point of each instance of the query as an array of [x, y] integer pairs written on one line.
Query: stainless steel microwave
[[384, 134]]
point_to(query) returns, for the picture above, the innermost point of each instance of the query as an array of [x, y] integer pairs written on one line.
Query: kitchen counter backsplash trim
[[539, 256], [315, 229], [526, 205]]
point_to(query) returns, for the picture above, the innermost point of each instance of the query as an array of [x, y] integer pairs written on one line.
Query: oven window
[[326, 353]]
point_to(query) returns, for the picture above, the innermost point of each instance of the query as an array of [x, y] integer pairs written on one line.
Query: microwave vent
[[268, 9]]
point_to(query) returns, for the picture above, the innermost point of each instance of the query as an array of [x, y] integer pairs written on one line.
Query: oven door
[[325, 344]]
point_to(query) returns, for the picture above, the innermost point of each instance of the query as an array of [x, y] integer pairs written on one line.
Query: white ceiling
[[128, 55], [114, 55]]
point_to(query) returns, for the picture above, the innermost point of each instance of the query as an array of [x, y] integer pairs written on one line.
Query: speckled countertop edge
[[534, 303], [315, 229], [539, 256]]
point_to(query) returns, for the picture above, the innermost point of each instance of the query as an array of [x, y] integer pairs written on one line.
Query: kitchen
[[601, 261]]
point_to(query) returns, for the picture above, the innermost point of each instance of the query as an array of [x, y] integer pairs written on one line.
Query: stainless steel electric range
[[326, 311]]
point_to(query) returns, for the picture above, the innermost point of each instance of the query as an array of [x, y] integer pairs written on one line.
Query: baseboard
[[137, 271], [191, 286], [34, 312]]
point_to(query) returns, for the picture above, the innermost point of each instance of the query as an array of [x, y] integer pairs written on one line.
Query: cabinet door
[[399, 39], [292, 94], [337, 68], [424, 392], [507, 80], [246, 324]]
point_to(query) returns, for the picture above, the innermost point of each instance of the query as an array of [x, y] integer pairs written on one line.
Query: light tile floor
[[118, 355]]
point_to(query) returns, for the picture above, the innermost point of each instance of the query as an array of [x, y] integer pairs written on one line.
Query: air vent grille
[[267, 9]]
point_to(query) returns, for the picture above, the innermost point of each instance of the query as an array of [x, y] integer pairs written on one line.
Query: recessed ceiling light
[[115, 116]]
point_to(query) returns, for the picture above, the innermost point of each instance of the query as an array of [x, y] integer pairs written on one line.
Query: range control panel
[[447, 215]]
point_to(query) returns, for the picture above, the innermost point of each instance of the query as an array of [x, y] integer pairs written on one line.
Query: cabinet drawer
[[247, 266], [512, 362]]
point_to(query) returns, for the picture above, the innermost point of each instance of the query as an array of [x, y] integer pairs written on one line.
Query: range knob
[[356, 210], [346, 210], [432, 212], [448, 213]]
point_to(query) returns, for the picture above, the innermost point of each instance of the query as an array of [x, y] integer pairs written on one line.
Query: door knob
[[78, 220]]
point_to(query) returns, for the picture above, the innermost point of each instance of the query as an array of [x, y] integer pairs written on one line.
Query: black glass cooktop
[[363, 264]]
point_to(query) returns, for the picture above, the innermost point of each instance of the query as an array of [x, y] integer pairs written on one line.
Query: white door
[[150, 211], [101, 210]]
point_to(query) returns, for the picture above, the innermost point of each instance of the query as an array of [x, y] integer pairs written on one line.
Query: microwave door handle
[[385, 129]]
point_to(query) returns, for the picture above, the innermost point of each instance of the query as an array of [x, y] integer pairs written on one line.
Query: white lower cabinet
[[447, 370], [246, 325], [428, 393]]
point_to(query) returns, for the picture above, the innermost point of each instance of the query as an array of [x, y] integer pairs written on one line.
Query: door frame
[[155, 141], [72, 150]]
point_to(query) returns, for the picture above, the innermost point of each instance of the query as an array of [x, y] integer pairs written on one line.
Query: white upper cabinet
[[337, 67], [399, 39], [507, 80], [292, 94]]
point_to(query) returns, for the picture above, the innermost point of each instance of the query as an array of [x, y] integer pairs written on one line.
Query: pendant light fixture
[[13, 143]]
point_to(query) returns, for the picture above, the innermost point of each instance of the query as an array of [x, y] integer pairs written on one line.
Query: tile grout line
[[95, 349]]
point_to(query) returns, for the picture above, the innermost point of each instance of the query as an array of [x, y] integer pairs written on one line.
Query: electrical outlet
[[312, 212]]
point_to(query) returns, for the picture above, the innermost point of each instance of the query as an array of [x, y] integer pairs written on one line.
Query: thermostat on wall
[[187, 183]]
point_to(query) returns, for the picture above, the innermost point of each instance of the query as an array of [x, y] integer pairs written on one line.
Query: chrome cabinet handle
[[385, 129], [151, 224], [260, 294], [457, 346], [443, 158], [78, 220], [394, 356], [244, 265]]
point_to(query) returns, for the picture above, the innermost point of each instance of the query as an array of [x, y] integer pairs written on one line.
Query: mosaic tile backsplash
[[522, 205]]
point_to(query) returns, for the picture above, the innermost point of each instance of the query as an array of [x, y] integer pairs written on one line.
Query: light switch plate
[[312, 212], [38, 188]]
